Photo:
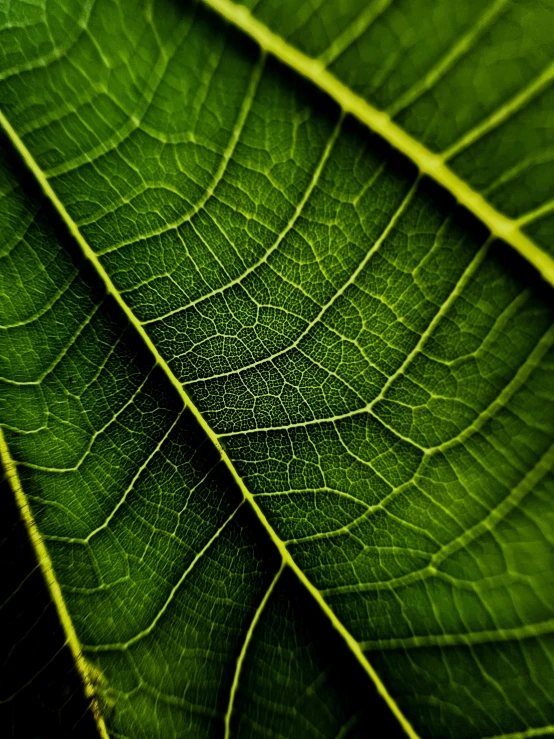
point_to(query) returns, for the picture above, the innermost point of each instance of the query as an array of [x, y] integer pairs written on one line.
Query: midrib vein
[[287, 559], [427, 162]]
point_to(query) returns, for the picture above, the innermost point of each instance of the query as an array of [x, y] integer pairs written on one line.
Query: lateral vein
[[242, 655]]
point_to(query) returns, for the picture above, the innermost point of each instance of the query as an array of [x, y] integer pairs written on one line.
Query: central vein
[[287, 559]]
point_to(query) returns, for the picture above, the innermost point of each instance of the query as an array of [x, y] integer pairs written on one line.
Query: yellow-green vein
[[88, 252], [430, 164], [86, 670]]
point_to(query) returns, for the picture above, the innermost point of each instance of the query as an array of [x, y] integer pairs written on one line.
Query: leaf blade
[[386, 383]]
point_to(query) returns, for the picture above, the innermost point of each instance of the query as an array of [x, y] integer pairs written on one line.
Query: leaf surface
[[491, 63], [281, 408]]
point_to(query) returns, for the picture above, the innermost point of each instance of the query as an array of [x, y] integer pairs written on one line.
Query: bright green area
[[379, 372]]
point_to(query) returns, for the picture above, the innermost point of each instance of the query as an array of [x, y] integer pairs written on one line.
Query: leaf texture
[[491, 63], [281, 408]]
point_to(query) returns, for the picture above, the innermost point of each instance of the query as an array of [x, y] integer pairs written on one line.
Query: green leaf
[[276, 395]]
